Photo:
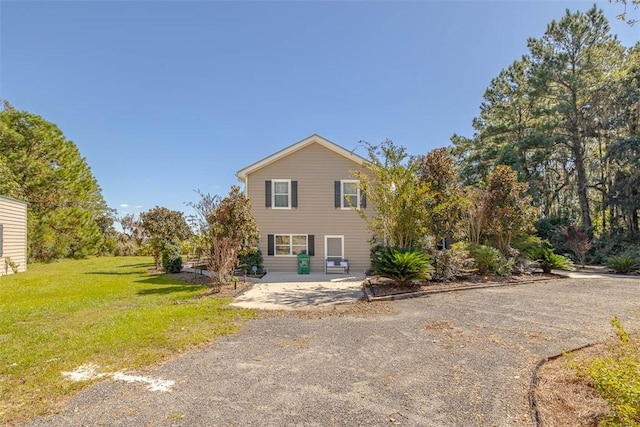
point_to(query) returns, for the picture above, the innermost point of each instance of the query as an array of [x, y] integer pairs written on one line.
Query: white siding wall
[[13, 217]]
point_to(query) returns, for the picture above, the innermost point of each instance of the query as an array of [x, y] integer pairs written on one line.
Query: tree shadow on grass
[[169, 286], [141, 264], [114, 273]]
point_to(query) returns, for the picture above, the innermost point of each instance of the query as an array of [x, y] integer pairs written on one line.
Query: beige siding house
[[13, 235], [302, 199]]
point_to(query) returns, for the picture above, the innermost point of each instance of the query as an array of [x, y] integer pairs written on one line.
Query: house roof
[[315, 138], [13, 200]]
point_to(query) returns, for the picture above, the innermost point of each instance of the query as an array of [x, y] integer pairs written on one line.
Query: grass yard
[[105, 311]]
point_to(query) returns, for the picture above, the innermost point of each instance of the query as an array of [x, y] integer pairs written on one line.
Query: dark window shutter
[[363, 200], [267, 194], [270, 244], [336, 194], [294, 194], [311, 245], [1, 238]]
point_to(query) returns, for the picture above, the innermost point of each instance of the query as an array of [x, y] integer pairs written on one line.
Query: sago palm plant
[[548, 260], [401, 265]]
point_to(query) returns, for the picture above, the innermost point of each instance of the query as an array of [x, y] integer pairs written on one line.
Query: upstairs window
[[281, 194], [347, 195], [350, 194]]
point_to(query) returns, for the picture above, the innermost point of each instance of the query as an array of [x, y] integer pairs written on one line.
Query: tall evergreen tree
[[39, 165], [573, 66], [552, 115]]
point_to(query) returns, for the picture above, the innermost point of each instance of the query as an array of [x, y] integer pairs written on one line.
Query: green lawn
[[105, 311]]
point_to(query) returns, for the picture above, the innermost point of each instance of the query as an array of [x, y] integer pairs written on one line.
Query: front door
[[334, 246]]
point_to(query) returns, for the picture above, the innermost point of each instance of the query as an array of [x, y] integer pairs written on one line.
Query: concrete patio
[[291, 291]]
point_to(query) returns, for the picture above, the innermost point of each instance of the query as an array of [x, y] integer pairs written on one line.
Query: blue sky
[[166, 97]]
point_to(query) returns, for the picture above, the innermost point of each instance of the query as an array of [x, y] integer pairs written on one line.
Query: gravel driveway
[[454, 359]]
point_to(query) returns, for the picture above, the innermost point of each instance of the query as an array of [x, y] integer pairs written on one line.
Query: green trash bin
[[304, 262]]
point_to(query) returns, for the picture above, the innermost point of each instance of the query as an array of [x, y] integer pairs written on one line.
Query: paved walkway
[[451, 359]]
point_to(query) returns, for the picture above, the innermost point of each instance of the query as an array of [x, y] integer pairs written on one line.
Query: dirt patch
[[381, 286], [231, 290]]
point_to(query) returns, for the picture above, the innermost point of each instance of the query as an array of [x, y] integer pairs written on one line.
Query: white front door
[[334, 247]]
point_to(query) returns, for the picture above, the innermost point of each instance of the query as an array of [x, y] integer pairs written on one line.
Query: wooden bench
[[332, 264]]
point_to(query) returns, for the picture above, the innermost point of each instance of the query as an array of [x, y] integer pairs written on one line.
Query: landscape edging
[[370, 297], [533, 404]]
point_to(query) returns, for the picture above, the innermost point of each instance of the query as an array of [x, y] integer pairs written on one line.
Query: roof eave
[[242, 173]]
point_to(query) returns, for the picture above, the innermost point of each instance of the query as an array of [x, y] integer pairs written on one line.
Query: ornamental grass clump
[[401, 265]]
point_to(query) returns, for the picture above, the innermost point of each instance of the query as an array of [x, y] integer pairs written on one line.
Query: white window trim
[[326, 246], [273, 194], [358, 201], [291, 254]]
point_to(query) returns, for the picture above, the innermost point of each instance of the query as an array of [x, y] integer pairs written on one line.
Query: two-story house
[[302, 199]]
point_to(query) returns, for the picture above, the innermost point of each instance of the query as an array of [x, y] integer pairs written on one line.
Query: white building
[[13, 236]]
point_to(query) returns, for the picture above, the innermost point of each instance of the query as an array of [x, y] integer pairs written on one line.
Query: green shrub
[[401, 265], [248, 259], [616, 378], [450, 264], [505, 267], [528, 243], [124, 248], [623, 264], [490, 260], [548, 260], [171, 260], [615, 243]]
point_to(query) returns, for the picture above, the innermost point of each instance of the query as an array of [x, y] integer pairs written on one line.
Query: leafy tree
[[9, 186], [509, 211], [446, 200], [132, 228], [391, 183], [227, 229], [163, 228], [67, 216], [578, 241], [474, 216]]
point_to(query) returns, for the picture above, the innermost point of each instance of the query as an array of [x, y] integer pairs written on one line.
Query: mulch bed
[[566, 400], [383, 287]]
